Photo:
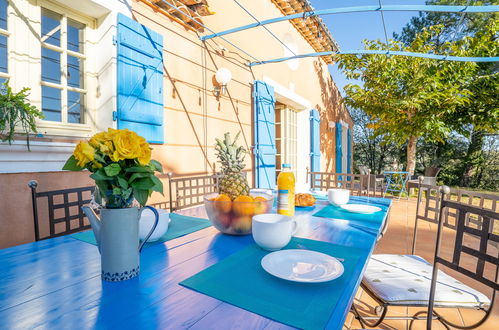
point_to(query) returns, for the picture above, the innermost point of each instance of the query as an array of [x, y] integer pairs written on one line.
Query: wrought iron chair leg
[[363, 322], [437, 317]]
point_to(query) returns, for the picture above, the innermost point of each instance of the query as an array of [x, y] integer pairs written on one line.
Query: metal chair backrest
[[431, 171], [364, 170], [188, 191], [357, 183], [484, 238], [63, 210], [429, 196], [480, 199]]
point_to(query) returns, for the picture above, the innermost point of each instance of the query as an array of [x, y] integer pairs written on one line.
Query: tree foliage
[[409, 97]]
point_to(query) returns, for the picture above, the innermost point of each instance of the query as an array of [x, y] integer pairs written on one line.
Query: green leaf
[[143, 183], [157, 165], [122, 182], [158, 185], [138, 175], [72, 164], [140, 169], [112, 169], [100, 175], [141, 195]]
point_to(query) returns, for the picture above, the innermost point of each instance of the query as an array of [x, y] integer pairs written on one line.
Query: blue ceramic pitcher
[[117, 236]]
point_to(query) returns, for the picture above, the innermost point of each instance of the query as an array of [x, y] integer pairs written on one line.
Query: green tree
[[370, 149], [409, 97], [483, 87]]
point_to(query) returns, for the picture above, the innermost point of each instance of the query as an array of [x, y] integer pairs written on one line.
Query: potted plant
[[16, 112], [123, 171]]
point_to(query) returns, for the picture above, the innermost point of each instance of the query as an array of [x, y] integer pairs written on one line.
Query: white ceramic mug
[[338, 196], [147, 220], [273, 231]]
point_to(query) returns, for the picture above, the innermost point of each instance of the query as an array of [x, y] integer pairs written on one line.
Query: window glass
[[75, 72], [51, 103], [75, 106], [3, 54], [51, 27], [75, 36], [3, 14], [51, 66], [2, 81]]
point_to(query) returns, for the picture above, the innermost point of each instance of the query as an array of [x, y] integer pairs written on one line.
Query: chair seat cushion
[[405, 280]]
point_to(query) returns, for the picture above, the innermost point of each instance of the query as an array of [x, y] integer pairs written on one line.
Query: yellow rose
[[103, 142], [96, 165], [98, 139], [145, 155], [84, 153], [126, 144]]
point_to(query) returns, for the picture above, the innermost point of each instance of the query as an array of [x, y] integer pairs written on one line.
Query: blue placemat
[[180, 225], [241, 281], [370, 221]]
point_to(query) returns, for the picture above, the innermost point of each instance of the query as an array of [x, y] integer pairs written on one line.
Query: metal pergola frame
[[313, 13]]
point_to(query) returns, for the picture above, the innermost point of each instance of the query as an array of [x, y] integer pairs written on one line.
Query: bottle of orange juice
[[286, 191]]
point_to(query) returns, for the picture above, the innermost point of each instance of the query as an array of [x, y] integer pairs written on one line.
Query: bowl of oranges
[[234, 216]]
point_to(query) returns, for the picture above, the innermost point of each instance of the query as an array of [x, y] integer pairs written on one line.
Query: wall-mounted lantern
[[223, 77]]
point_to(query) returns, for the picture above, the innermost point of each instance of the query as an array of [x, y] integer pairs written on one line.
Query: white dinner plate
[[360, 208], [302, 266]]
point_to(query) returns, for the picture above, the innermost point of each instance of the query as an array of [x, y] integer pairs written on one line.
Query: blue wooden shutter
[[265, 148], [339, 152], [315, 141], [349, 151], [140, 79]]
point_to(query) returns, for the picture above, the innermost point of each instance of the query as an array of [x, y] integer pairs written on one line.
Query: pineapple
[[231, 157]]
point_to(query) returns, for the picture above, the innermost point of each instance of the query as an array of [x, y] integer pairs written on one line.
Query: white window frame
[[6, 33], [64, 52]]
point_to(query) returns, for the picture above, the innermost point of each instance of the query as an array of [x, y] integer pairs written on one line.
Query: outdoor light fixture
[[223, 77]]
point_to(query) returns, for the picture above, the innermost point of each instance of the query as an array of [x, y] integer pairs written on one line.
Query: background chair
[[430, 178], [188, 191], [404, 280], [61, 211], [356, 183], [375, 180]]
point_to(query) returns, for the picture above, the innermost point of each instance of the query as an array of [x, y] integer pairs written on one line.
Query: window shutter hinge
[[115, 116], [115, 40]]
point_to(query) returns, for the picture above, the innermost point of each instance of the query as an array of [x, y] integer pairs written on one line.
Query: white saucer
[[360, 208], [302, 266]]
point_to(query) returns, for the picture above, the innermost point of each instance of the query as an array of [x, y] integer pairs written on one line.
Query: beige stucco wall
[[193, 117]]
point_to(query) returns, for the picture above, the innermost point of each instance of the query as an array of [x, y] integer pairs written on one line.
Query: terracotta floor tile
[[398, 240]]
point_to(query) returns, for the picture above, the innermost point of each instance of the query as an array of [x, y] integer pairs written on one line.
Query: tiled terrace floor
[[398, 240]]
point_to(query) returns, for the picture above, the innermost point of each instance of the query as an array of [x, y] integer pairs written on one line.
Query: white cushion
[[405, 280]]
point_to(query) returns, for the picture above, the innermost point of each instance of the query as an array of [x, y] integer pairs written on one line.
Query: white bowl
[[337, 196], [147, 221]]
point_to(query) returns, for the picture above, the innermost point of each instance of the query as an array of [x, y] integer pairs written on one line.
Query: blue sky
[[350, 29]]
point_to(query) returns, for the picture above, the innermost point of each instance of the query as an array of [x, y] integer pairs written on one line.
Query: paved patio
[[398, 240]]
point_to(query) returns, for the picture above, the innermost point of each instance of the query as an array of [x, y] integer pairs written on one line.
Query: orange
[[244, 205], [261, 205], [241, 224], [223, 203]]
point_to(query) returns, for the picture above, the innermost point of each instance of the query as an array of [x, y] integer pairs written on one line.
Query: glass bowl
[[234, 218]]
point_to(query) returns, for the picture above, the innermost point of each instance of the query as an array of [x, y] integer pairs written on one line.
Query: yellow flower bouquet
[[121, 165]]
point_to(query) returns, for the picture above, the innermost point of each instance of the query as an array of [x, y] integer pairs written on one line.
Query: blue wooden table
[[56, 283]]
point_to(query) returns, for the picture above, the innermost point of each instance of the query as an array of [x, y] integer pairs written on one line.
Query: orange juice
[[286, 191]]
